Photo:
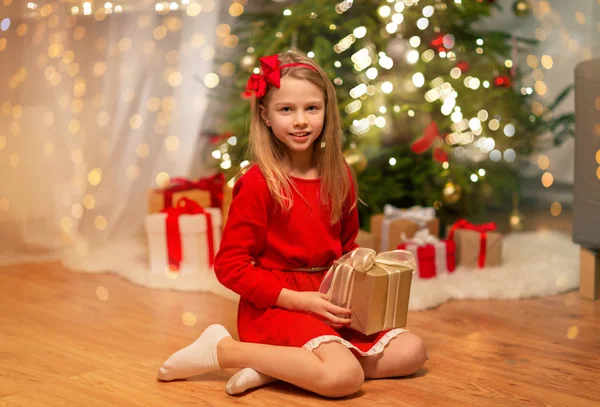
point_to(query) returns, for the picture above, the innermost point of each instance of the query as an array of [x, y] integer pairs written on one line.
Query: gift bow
[[465, 224], [417, 214], [422, 237], [213, 184], [185, 206], [482, 229], [362, 260], [271, 73]]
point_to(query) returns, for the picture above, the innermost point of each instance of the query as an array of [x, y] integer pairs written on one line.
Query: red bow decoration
[[271, 73], [185, 206], [214, 185], [220, 137], [423, 143], [482, 229]]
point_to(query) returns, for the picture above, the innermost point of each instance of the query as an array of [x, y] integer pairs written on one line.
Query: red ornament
[[463, 66], [440, 155], [438, 43], [502, 81], [423, 143], [220, 137]]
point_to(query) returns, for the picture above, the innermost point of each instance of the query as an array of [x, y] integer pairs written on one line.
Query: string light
[[384, 11]]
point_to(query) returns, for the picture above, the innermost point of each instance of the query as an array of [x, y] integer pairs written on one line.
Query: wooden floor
[[73, 339]]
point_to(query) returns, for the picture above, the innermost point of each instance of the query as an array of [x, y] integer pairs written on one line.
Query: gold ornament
[[516, 218], [451, 192], [355, 159], [521, 8]]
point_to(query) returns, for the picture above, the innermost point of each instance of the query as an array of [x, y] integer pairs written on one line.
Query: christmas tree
[[432, 110]]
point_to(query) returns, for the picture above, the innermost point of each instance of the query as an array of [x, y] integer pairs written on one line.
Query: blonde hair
[[268, 152]]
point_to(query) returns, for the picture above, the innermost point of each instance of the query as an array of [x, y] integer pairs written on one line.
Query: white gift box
[[193, 231]]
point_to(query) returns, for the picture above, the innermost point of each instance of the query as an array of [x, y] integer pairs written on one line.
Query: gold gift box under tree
[[469, 238]]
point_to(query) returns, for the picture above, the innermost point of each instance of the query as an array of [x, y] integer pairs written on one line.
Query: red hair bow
[[271, 73]]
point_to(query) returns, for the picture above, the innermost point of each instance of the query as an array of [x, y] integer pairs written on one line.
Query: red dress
[[261, 240]]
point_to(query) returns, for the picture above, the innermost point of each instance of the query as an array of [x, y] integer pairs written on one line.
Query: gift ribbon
[[416, 214], [185, 206], [214, 185], [424, 237], [482, 229], [362, 260]]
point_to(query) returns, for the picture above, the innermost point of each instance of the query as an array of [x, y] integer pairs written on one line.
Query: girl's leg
[[330, 370], [404, 355]]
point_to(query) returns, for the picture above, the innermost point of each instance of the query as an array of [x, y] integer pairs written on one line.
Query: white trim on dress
[[375, 349]]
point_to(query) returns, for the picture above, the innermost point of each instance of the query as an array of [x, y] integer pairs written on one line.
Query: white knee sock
[[246, 379], [198, 358]]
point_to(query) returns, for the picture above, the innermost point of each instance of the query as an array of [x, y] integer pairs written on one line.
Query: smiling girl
[[293, 213]]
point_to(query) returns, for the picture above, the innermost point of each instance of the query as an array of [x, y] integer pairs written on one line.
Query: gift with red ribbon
[[206, 192], [435, 257], [185, 207], [183, 238], [476, 245]]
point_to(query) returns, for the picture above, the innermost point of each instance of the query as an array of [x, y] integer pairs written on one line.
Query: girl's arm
[[243, 240], [350, 223]]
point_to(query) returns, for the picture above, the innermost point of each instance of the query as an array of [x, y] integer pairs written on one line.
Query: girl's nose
[[299, 119]]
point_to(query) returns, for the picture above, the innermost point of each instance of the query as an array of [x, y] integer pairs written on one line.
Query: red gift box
[[433, 259]]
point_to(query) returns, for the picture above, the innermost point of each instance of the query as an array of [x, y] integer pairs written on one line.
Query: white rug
[[535, 264]]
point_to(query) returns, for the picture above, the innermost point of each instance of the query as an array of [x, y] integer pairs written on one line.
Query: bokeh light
[[547, 179], [102, 293], [188, 319]]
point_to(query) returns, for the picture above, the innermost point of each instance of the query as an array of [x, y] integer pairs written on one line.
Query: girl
[[293, 213]]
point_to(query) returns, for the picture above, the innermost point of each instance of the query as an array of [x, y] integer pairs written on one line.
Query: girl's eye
[[312, 108], [286, 109]]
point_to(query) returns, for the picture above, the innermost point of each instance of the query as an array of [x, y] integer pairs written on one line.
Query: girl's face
[[296, 113]]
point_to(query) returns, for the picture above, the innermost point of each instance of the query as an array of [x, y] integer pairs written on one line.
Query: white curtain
[[95, 110]]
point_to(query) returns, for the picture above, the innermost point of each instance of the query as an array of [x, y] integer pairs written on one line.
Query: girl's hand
[[314, 303]]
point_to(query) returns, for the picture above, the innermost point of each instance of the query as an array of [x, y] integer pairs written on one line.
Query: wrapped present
[[183, 239], [476, 245], [435, 257], [206, 192], [393, 223], [366, 239], [376, 288]]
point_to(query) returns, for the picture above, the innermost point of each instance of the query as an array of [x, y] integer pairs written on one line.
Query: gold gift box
[[468, 246], [398, 227], [366, 239], [377, 296], [156, 200]]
